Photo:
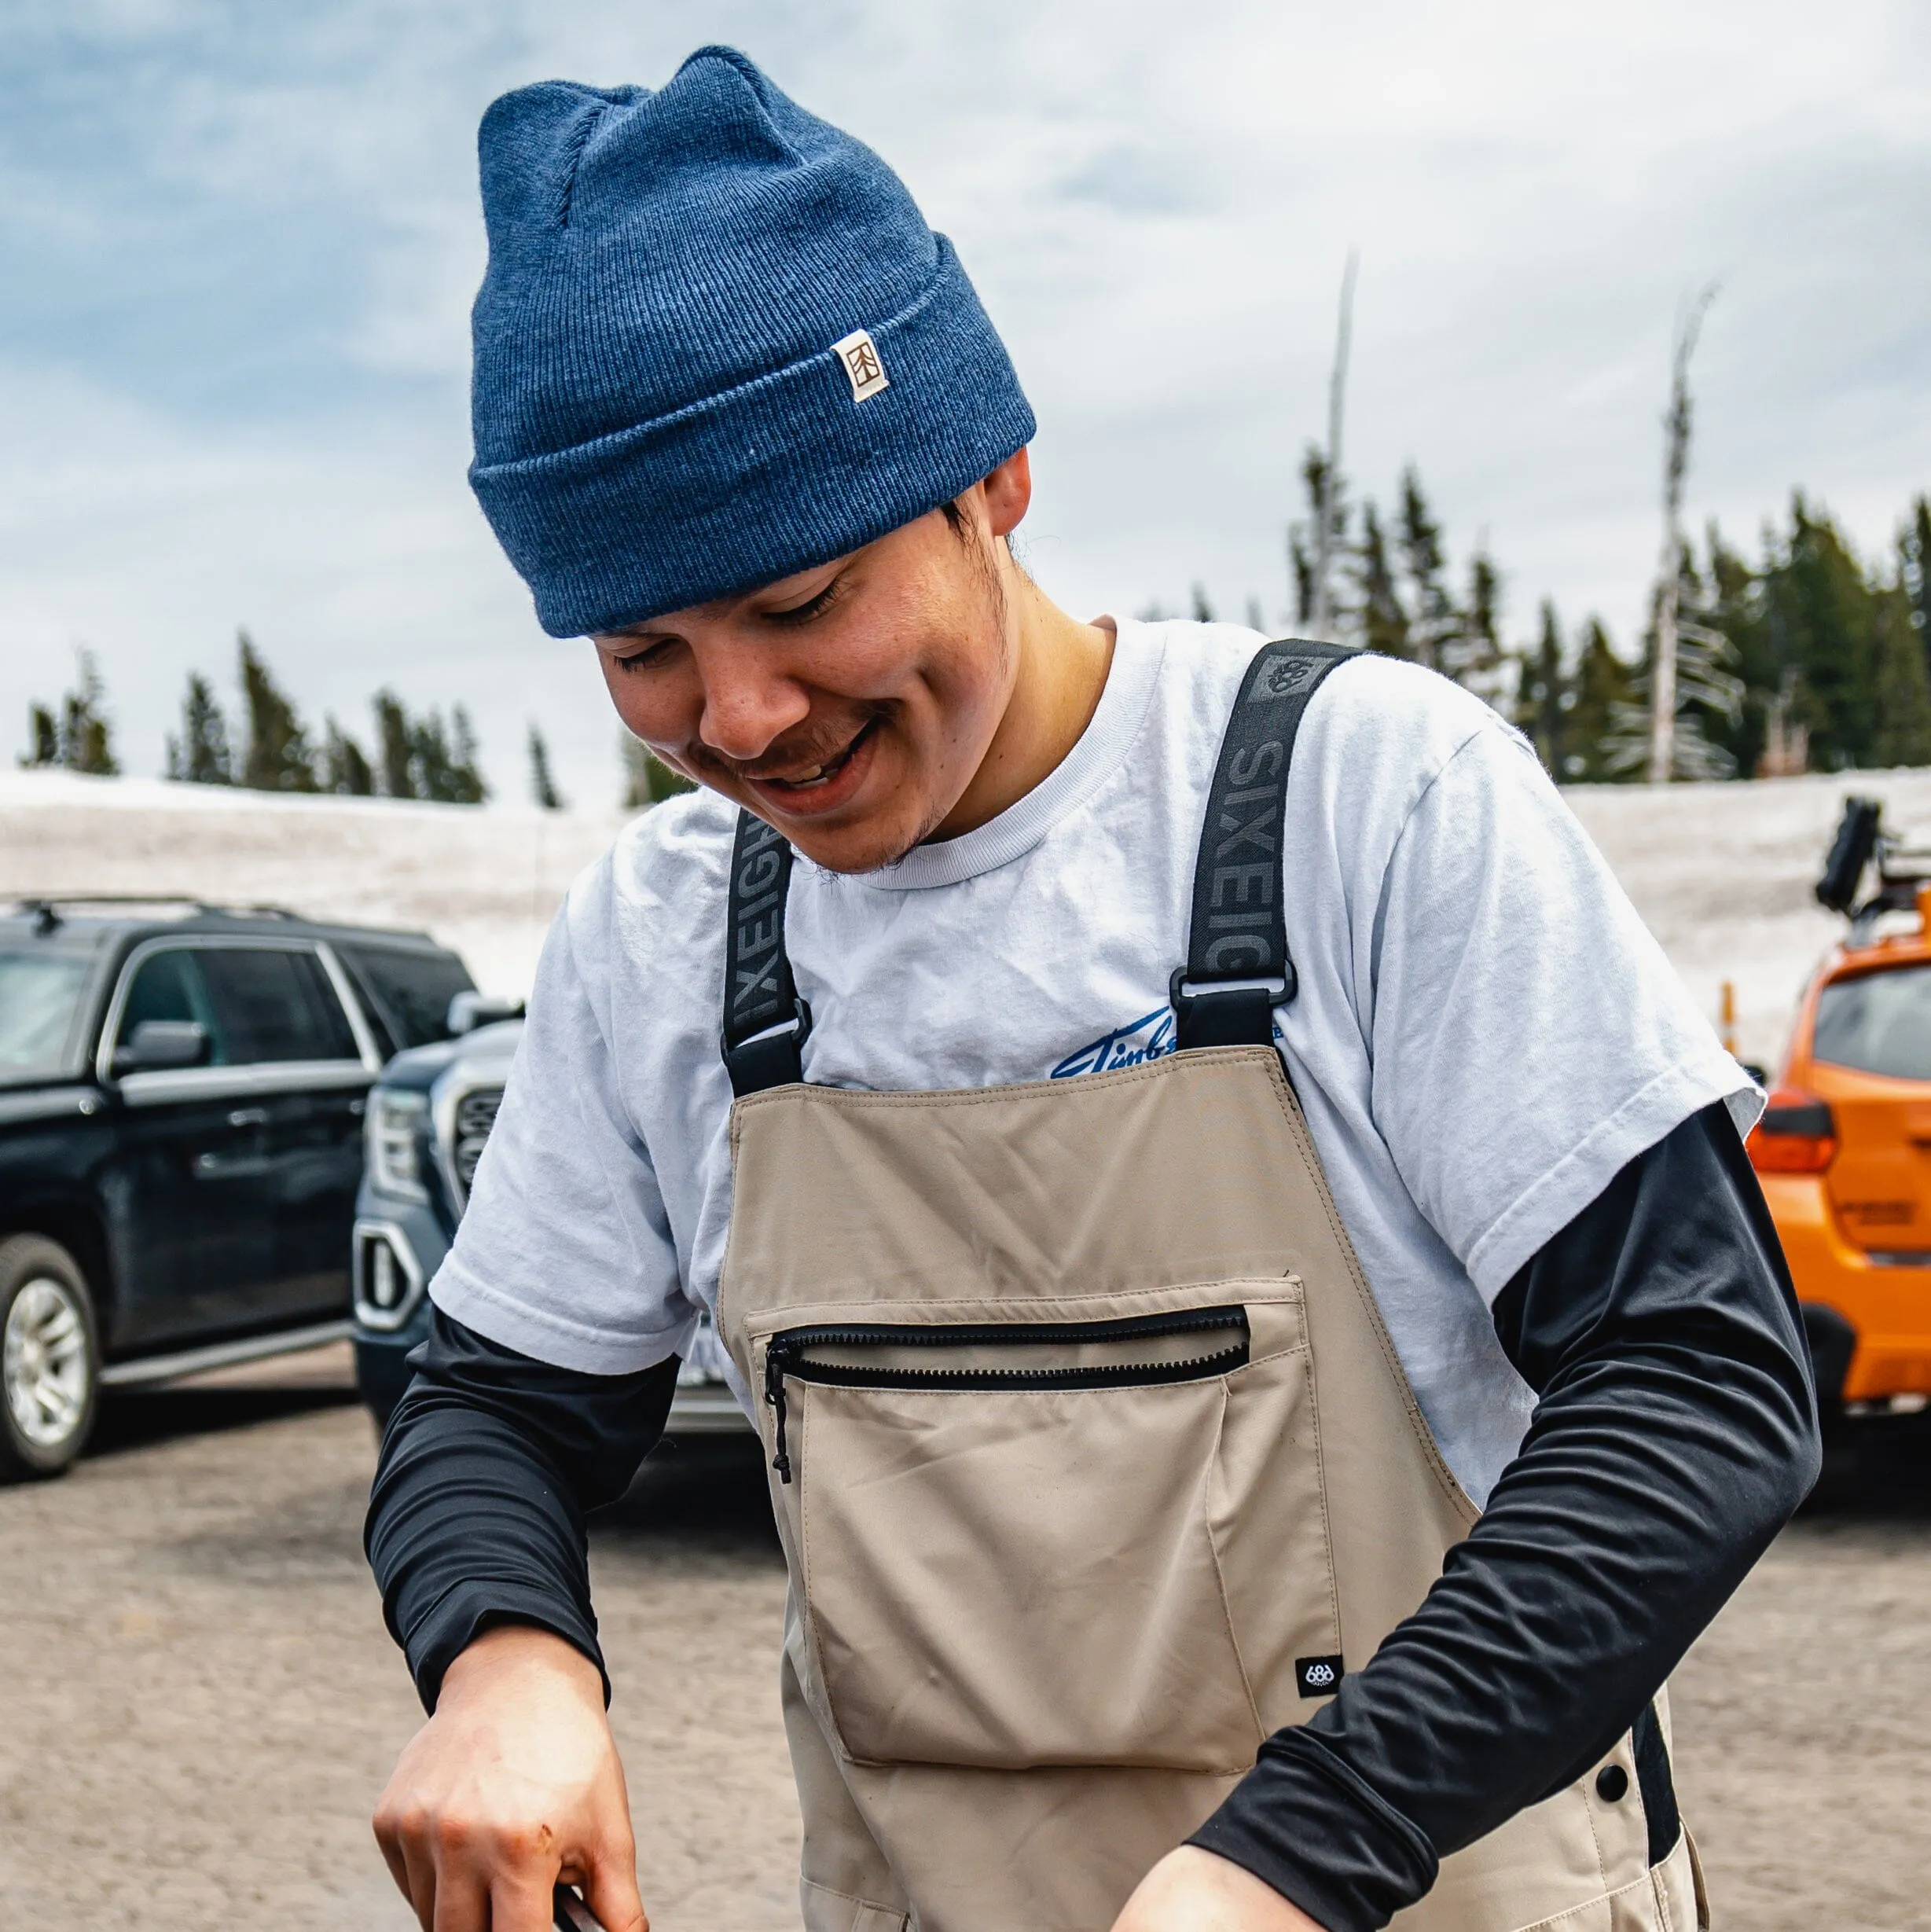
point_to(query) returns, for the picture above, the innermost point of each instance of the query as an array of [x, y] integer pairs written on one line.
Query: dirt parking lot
[[198, 1703]]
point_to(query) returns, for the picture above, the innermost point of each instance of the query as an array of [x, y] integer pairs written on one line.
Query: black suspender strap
[[765, 1021], [1237, 969]]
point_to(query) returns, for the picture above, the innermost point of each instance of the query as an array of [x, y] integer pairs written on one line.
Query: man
[[1259, 1479]]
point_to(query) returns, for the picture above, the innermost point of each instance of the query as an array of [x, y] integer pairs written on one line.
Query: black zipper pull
[[774, 1395]]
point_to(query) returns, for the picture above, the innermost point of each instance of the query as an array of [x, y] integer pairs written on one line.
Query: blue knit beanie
[[716, 343]]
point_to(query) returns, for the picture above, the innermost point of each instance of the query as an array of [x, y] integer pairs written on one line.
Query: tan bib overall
[[1094, 1465]]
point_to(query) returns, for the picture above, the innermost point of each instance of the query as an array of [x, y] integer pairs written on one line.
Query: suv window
[[38, 994], [271, 1005], [258, 1003], [1879, 1024], [167, 986], [411, 991]]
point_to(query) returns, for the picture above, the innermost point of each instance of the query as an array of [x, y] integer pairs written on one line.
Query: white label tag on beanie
[[860, 359]]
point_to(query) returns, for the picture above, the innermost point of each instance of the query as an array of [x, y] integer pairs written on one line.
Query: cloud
[[242, 241]]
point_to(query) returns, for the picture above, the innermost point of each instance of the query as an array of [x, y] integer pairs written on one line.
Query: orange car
[[1844, 1149]]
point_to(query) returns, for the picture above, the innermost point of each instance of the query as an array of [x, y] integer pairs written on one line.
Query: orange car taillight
[[1796, 1136]]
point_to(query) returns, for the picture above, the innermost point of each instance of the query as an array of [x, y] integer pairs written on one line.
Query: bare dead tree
[[1676, 421], [1325, 536]]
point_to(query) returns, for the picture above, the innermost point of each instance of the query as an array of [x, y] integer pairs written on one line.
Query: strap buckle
[[773, 1057], [1227, 1013]]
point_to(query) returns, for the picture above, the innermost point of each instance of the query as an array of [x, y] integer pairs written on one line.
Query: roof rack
[[45, 906], [1861, 841]]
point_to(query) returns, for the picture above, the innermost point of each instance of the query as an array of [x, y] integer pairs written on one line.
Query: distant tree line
[[411, 755], [1809, 659]]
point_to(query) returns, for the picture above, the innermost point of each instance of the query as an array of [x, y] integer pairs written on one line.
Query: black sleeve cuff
[[1305, 1823], [453, 1623]]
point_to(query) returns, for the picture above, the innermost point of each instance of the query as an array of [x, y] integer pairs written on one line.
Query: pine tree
[[437, 761], [1383, 624], [43, 739], [1472, 655], [345, 767], [466, 783], [278, 758], [542, 787], [1820, 613], [1903, 732], [200, 755], [1546, 695], [1203, 612], [647, 779], [434, 758], [394, 747], [430, 760], [1305, 547], [1604, 687], [1432, 623], [78, 737]]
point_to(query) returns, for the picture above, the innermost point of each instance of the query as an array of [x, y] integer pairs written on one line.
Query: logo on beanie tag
[[862, 365]]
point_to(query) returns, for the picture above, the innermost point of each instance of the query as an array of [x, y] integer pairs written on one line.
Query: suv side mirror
[[470, 1010], [163, 1046]]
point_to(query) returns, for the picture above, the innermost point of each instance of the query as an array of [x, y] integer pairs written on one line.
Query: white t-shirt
[[1485, 1031]]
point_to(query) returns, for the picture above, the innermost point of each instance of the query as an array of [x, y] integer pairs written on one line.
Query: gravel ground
[[198, 1704]]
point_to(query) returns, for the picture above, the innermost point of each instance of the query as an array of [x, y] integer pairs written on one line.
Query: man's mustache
[[810, 747]]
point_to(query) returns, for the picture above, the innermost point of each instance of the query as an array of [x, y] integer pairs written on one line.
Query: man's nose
[[747, 708]]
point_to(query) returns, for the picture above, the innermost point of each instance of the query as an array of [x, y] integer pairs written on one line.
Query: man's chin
[[861, 848]]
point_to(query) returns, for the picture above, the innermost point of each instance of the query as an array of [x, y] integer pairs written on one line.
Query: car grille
[[475, 1115]]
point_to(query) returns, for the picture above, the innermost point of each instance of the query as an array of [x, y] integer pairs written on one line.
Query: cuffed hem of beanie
[[770, 477]]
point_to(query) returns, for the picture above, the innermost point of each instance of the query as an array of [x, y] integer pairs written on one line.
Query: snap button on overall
[[1612, 1784]]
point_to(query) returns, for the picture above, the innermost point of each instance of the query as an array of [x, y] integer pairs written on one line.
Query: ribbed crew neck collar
[[1138, 650]]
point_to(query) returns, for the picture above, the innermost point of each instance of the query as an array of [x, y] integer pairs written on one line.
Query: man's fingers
[[519, 1901], [611, 1892], [420, 1876], [388, 1836], [462, 1904]]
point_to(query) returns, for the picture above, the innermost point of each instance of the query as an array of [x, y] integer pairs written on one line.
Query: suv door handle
[[249, 1117]]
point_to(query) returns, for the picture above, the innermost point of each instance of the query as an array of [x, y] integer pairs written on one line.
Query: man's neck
[[1060, 672]]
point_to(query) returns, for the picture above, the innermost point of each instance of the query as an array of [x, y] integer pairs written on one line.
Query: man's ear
[[1008, 494]]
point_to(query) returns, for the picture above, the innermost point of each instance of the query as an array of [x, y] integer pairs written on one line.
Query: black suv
[[182, 1090]]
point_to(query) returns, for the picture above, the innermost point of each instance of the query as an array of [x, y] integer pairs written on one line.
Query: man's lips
[[820, 786]]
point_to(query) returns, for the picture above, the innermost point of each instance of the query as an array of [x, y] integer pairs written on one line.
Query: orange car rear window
[[1877, 1023]]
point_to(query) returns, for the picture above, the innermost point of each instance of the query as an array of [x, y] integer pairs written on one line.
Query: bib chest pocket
[[1016, 1537]]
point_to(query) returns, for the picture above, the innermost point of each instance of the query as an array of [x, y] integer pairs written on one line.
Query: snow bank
[[1722, 872], [484, 879]]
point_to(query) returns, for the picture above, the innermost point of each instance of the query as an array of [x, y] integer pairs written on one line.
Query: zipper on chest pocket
[[1188, 1345]]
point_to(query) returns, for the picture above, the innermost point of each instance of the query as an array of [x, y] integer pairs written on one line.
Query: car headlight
[[396, 1123]]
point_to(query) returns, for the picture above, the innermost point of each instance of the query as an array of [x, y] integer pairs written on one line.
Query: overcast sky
[[238, 242]]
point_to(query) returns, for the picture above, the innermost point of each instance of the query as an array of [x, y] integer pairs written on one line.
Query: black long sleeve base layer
[[488, 1464]]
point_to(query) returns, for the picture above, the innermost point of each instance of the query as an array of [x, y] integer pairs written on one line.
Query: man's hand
[[513, 1784], [1190, 1890]]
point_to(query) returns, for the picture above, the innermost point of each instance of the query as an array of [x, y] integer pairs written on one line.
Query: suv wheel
[[49, 1361]]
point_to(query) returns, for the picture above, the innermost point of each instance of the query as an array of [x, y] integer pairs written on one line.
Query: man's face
[[848, 706]]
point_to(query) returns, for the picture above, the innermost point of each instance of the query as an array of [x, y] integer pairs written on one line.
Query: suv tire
[[49, 1358]]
